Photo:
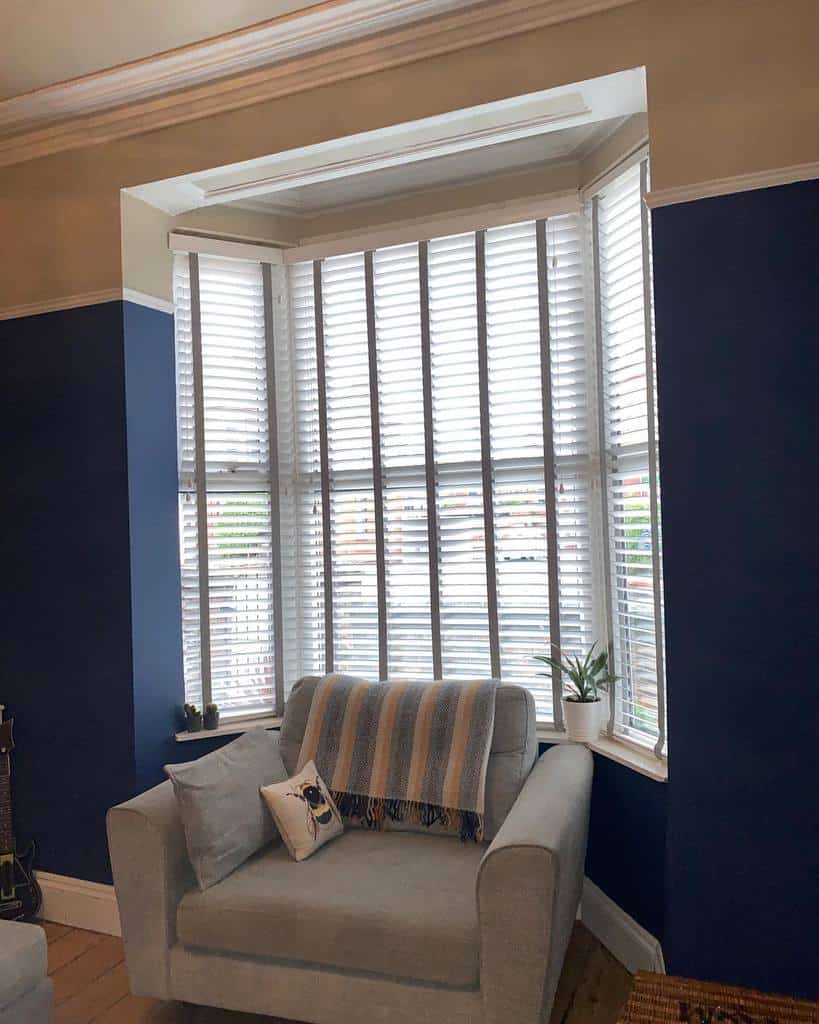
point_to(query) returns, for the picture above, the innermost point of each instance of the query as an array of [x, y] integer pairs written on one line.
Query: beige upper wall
[[147, 263], [733, 88]]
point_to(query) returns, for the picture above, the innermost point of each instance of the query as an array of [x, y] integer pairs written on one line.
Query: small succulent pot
[[584, 719], [211, 717], [193, 718]]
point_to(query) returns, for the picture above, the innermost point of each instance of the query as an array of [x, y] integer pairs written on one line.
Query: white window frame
[[198, 482], [607, 460], [618, 747]]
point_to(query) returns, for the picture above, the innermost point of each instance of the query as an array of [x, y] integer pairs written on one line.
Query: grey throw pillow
[[223, 814]]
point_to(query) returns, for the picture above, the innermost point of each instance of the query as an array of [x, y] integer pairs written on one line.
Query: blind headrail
[[208, 245]]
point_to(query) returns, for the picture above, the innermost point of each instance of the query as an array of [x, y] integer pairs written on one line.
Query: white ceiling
[[534, 130], [456, 169], [48, 41]]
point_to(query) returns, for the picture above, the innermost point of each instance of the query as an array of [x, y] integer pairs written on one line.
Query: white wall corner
[[629, 942], [80, 904]]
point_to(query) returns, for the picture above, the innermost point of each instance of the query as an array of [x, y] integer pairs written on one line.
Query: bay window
[[432, 459]]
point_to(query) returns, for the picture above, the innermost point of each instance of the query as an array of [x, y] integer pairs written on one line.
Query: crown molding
[[233, 53], [738, 183], [334, 41]]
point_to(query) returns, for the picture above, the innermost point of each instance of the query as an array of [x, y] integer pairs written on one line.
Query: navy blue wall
[[626, 855], [65, 655], [737, 307], [158, 689], [627, 839]]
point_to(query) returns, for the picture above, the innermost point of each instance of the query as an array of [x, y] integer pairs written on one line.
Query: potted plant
[[193, 718], [584, 683]]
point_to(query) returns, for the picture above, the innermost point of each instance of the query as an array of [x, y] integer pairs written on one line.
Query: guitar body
[[20, 896]]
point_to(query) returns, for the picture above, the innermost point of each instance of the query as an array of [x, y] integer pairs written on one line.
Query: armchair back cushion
[[511, 756]]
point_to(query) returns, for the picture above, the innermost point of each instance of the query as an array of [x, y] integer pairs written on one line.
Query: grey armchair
[[393, 926]]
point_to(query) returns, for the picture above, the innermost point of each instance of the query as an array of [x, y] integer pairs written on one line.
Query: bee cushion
[[304, 812]]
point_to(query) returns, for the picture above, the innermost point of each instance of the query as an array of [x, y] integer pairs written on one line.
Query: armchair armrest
[[151, 874], [529, 885]]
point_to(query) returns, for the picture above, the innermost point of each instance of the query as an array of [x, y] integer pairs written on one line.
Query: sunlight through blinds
[[446, 423], [224, 466], [630, 438], [389, 463]]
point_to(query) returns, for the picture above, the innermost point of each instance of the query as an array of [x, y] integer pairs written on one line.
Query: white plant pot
[[583, 720]]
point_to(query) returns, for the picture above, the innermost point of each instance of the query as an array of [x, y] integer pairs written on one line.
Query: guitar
[[20, 895]]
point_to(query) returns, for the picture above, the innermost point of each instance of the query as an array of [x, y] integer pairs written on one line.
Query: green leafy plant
[[585, 680]]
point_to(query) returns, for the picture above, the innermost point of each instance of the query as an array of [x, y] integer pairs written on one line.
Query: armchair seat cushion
[[399, 904]]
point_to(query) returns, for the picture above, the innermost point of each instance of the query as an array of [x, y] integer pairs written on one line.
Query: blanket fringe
[[371, 812]]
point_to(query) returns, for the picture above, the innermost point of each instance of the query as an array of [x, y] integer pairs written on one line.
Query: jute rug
[[659, 999]]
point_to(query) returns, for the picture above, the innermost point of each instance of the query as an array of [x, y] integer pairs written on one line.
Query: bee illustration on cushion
[[319, 812]]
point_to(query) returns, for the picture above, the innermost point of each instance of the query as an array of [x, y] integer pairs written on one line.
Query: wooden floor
[[91, 984]]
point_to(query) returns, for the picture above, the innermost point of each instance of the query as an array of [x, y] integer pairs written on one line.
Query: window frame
[[636, 753], [199, 481], [609, 459]]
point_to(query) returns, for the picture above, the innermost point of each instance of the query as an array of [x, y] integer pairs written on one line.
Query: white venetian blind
[[306, 483], [630, 438], [516, 439], [388, 463], [568, 327], [457, 447], [349, 445], [224, 464], [522, 518], [421, 399], [397, 307]]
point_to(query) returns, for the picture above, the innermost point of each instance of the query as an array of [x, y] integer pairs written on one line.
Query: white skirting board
[[627, 941], [78, 903], [93, 906]]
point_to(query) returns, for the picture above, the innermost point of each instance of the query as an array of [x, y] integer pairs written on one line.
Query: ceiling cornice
[[333, 41]]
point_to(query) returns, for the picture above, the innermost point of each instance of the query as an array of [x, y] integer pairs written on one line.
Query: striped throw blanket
[[412, 752]]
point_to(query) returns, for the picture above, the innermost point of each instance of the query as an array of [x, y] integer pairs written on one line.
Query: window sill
[[233, 727], [642, 761]]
